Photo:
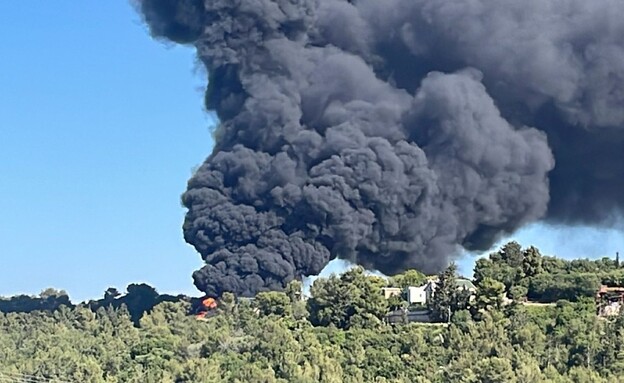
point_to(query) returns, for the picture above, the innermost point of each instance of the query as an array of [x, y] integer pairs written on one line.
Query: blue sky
[[100, 128]]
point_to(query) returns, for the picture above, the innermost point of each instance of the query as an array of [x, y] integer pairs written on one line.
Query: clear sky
[[100, 128]]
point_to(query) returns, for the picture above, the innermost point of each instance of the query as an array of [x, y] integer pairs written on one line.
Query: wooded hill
[[337, 335]]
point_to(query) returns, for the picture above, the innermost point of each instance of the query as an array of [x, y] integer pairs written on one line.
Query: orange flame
[[209, 303]]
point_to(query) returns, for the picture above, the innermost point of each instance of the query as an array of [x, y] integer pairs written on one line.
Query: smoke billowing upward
[[393, 133]]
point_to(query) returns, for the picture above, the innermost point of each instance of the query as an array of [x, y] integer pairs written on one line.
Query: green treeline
[[339, 334], [138, 299], [527, 274]]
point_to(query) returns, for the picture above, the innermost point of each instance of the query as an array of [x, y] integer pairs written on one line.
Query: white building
[[417, 295], [424, 294], [390, 292]]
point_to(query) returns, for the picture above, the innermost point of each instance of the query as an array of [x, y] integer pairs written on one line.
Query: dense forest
[[337, 334]]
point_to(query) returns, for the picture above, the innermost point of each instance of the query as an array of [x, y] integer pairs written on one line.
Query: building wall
[[400, 316], [416, 295], [391, 291]]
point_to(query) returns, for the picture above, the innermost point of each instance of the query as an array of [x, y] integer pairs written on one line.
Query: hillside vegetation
[[337, 335]]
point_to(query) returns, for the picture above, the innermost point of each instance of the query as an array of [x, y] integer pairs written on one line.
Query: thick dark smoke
[[392, 133]]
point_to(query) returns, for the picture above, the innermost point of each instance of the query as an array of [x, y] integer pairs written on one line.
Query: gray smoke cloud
[[394, 133]]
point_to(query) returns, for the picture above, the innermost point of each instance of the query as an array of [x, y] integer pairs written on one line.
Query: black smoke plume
[[393, 133]]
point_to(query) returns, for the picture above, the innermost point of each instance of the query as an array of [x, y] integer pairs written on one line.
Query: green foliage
[[446, 287], [518, 293], [553, 287], [336, 337], [139, 299], [274, 303], [447, 298], [532, 262], [396, 302], [494, 370], [491, 294], [408, 278], [49, 300], [546, 279], [351, 299]]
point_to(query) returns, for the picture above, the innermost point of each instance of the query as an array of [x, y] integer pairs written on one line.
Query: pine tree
[[445, 295]]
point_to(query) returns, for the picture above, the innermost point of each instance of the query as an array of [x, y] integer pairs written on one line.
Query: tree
[[353, 297], [526, 368], [512, 254], [294, 290], [408, 278], [532, 262], [227, 303], [490, 294], [445, 295], [396, 302], [111, 294], [518, 293], [52, 293], [139, 299], [274, 303], [52, 299], [496, 268], [584, 375], [484, 268], [495, 370]]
